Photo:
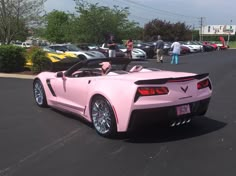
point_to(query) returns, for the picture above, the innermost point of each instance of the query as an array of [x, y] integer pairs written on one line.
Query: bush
[[40, 61], [11, 58], [29, 54]]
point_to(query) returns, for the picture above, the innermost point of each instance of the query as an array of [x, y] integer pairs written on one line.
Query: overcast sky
[[214, 12]]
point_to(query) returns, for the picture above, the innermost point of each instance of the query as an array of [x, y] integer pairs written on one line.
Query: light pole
[[229, 32]]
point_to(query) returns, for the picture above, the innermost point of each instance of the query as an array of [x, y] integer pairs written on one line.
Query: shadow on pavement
[[153, 134]]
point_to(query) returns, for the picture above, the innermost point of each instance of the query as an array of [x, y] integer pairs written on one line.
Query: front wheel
[[103, 117], [39, 93], [82, 57]]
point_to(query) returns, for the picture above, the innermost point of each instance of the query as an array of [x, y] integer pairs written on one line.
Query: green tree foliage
[[167, 30], [96, 22], [40, 61], [16, 16], [57, 26]]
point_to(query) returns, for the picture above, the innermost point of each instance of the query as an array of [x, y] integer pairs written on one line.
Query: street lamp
[[229, 32]]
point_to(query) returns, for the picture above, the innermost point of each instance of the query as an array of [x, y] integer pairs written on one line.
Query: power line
[[166, 15], [158, 10], [163, 14]]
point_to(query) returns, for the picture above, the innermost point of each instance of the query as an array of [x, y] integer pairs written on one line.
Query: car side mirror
[[59, 74]]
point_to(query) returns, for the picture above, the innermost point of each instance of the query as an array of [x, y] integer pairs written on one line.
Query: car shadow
[[73, 116], [153, 134]]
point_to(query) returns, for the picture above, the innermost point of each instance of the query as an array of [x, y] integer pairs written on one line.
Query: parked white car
[[23, 44], [136, 52], [70, 48], [193, 47]]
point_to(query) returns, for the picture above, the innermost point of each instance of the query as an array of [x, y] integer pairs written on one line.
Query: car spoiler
[[166, 80]]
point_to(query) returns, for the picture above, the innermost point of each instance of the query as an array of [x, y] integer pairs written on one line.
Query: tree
[[167, 30], [57, 25], [16, 15], [96, 22]]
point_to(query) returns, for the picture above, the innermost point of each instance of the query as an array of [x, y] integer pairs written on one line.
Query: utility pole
[[192, 31], [201, 29], [229, 32]]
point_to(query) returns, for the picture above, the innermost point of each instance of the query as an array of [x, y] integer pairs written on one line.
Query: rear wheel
[[103, 117], [39, 93]]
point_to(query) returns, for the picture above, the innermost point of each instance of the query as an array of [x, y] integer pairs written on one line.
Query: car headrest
[[136, 68], [106, 67]]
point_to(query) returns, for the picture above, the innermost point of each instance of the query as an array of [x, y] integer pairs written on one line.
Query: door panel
[[71, 93]]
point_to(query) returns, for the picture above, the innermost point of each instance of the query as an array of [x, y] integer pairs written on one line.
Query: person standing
[[159, 49], [176, 47], [129, 46], [112, 47]]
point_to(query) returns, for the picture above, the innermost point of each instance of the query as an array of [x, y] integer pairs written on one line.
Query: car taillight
[[203, 84], [147, 91]]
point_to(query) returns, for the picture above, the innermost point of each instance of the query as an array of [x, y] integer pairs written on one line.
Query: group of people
[[175, 47], [112, 47]]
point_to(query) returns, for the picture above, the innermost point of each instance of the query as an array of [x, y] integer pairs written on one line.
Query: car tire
[[82, 57], [39, 94], [103, 117]]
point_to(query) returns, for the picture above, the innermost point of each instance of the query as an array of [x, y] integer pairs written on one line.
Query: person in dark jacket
[[159, 49], [112, 47]]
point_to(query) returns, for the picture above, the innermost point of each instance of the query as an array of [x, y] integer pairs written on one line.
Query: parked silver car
[[70, 48]]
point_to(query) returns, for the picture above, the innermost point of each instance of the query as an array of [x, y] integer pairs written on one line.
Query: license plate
[[183, 109]]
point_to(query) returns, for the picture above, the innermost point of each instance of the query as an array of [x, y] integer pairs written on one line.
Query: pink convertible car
[[114, 96]]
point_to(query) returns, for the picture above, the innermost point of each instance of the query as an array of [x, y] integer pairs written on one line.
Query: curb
[[21, 76]]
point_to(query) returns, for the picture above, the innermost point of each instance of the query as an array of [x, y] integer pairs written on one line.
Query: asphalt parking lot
[[44, 142]]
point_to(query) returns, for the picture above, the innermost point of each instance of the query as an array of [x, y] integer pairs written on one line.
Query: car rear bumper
[[166, 115]]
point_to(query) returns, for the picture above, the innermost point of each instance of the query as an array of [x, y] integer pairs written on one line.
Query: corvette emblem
[[184, 89]]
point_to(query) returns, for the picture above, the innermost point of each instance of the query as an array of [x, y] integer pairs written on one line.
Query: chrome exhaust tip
[[173, 124], [188, 121]]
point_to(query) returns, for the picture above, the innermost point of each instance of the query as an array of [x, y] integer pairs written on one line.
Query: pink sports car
[[114, 96]]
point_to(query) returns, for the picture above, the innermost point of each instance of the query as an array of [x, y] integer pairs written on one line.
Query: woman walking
[[176, 47]]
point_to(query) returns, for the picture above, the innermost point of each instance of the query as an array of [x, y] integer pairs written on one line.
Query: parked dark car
[[206, 46], [149, 48]]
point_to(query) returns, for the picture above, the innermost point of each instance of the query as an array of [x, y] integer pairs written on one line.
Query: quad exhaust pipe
[[180, 122]]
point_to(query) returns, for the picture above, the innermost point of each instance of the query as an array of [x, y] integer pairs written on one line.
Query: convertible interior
[[87, 73], [101, 68]]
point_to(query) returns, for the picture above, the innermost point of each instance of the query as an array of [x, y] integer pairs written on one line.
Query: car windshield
[[72, 48], [121, 46], [45, 48]]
